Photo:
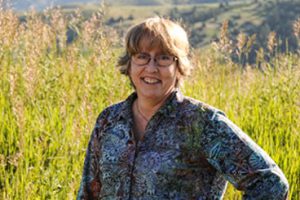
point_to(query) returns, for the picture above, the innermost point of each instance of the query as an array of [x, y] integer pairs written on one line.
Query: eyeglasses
[[161, 60]]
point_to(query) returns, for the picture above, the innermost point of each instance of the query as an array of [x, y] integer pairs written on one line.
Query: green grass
[[49, 101]]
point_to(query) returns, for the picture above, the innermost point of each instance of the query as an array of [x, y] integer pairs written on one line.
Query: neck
[[147, 107], [140, 113]]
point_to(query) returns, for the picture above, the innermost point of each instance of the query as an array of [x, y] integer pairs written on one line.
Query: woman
[[159, 144]]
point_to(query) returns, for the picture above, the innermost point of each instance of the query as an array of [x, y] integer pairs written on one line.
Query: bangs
[[144, 38], [149, 43]]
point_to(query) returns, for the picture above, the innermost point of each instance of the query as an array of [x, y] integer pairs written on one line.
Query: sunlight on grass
[[51, 93]]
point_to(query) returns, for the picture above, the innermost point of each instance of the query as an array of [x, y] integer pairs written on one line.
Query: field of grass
[[51, 94]]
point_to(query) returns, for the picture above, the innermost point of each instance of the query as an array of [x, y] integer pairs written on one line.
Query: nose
[[152, 65]]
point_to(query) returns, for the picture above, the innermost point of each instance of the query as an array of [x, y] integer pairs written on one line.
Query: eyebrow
[[160, 53]]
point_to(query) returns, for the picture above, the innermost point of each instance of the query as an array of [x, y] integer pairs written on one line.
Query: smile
[[151, 80]]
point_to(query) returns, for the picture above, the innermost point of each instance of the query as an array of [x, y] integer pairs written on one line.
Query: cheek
[[130, 77], [173, 72], [132, 73], [132, 69]]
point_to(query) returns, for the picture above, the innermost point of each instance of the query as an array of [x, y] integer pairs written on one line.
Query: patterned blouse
[[190, 150]]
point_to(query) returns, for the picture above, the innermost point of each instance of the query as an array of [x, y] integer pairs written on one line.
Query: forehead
[[147, 44]]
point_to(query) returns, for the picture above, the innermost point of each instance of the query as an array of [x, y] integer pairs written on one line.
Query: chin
[[154, 95], [151, 95]]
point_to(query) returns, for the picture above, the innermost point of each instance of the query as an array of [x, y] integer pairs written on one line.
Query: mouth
[[150, 81]]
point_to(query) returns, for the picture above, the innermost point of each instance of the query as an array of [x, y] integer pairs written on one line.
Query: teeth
[[151, 80]]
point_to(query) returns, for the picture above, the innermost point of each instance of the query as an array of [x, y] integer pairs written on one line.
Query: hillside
[[42, 4], [203, 21], [201, 18]]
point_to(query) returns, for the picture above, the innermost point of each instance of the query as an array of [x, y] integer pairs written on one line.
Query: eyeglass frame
[[174, 58]]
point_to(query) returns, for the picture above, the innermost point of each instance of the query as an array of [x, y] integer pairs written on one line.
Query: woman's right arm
[[90, 186]]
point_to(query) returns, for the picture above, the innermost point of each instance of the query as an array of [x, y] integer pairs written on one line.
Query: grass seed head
[[241, 42], [296, 28], [272, 41]]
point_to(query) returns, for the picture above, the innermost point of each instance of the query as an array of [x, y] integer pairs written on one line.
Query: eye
[[165, 57], [142, 56]]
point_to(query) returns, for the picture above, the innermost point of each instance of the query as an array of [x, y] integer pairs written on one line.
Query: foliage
[[203, 17], [51, 92], [259, 18], [245, 50]]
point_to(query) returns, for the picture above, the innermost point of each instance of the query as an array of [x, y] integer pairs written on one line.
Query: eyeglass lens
[[161, 60]]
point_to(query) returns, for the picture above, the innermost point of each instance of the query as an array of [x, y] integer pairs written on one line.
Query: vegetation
[[203, 20], [24, 5], [51, 92]]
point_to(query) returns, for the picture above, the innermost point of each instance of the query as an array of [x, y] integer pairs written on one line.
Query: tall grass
[[51, 93]]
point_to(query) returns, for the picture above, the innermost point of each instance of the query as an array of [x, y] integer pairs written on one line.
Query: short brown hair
[[171, 37]]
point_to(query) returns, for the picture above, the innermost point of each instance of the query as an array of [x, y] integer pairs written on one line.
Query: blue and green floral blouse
[[190, 150]]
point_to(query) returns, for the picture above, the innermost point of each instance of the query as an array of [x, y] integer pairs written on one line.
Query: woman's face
[[151, 80]]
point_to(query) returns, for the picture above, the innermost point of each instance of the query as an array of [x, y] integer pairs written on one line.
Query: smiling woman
[[160, 144]]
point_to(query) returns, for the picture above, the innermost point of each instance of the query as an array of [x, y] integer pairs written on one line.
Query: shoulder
[[213, 119], [111, 112], [106, 118], [191, 106]]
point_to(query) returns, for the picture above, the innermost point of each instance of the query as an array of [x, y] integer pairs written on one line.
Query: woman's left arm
[[241, 161]]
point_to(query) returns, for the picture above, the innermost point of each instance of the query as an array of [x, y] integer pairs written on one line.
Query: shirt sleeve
[[241, 161], [90, 185]]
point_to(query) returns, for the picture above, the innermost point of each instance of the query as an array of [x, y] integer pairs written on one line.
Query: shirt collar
[[126, 111], [168, 109]]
